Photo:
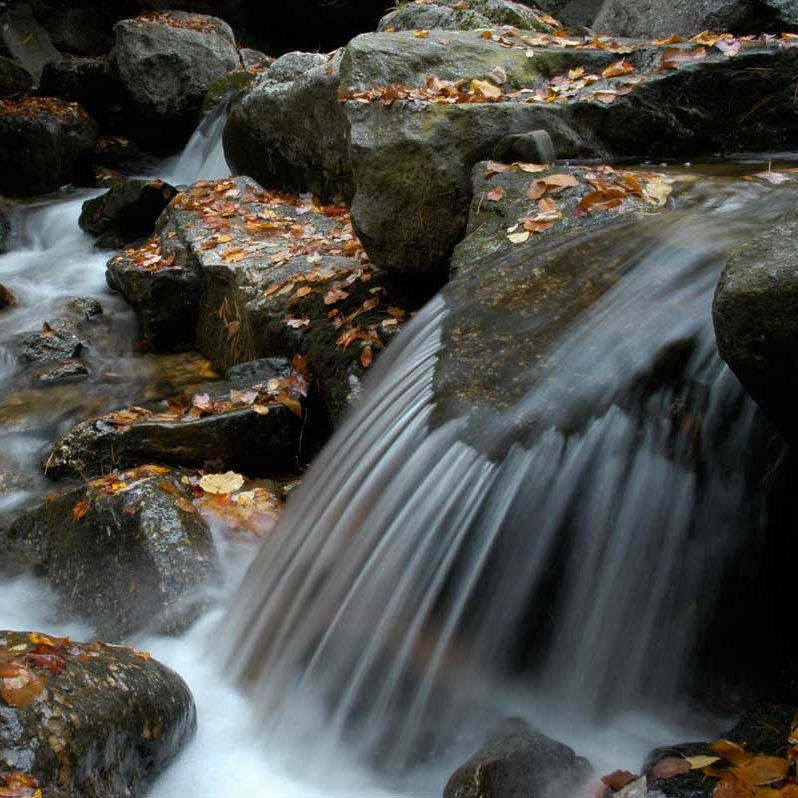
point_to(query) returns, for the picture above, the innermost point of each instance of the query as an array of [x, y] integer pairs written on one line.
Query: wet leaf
[[366, 357], [674, 57], [243, 397], [519, 238], [731, 752], [335, 295], [619, 68], [602, 200], [221, 483], [763, 771], [261, 410], [618, 779], [80, 509], [486, 89], [703, 761], [670, 766]]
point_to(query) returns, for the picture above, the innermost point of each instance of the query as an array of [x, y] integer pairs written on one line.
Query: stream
[[273, 745]]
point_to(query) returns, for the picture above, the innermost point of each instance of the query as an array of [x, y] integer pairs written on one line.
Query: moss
[[235, 82]]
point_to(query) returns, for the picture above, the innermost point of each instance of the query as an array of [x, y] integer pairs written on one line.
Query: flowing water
[[554, 554]]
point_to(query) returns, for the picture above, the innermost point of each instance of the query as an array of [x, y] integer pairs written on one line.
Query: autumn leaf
[[335, 295], [168, 487], [519, 238], [731, 752], [221, 483], [486, 89], [674, 57], [234, 255], [618, 779], [670, 766], [495, 194], [233, 328], [701, 761], [366, 357], [602, 200], [619, 68], [80, 509], [243, 397]]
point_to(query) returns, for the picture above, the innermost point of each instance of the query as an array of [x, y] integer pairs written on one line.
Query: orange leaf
[[366, 357], [80, 509], [670, 766], [619, 68]]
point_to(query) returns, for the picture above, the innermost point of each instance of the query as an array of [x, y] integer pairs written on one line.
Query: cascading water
[[509, 527], [203, 157]]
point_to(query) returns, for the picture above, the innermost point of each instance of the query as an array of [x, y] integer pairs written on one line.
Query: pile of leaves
[[196, 22], [739, 773], [42, 106], [253, 511], [601, 189]]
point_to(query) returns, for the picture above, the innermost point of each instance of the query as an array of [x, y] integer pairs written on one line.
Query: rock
[[14, 80], [660, 18], [572, 12], [755, 312], [148, 574], [255, 61], [501, 203], [238, 273], [86, 81], [83, 31], [117, 153], [25, 41], [290, 66], [84, 308], [167, 62], [449, 15], [7, 298], [251, 422], [518, 762], [104, 720], [49, 345], [66, 371], [6, 210], [126, 213], [226, 87], [44, 143]]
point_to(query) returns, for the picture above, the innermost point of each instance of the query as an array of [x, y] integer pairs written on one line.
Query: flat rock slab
[[239, 272], [87, 720], [251, 423], [147, 573], [44, 143]]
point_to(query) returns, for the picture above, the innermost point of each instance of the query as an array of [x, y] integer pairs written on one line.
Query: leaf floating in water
[[221, 483]]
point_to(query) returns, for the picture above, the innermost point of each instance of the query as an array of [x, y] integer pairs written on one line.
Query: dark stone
[[255, 61], [126, 561], [7, 299], [104, 727], [83, 31], [118, 153], [756, 321], [14, 80], [526, 147], [518, 762], [84, 308], [240, 437], [87, 81], [167, 70], [49, 345], [68, 371], [127, 213], [25, 41], [43, 146]]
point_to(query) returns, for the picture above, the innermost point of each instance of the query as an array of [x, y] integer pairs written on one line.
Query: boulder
[[7, 298], [86, 720], [239, 273], [755, 312], [572, 12], [49, 345], [450, 15], [518, 762], [44, 143], [86, 81], [14, 80], [82, 31], [660, 18], [167, 61], [126, 213], [25, 41], [125, 553], [251, 423]]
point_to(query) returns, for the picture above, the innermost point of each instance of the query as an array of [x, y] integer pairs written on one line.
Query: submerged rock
[[126, 213], [251, 422], [755, 312], [167, 61], [518, 762], [44, 143], [125, 553], [87, 720]]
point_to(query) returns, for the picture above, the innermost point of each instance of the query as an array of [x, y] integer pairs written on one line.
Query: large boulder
[[86, 720], [660, 18], [44, 143], [87, 81], [239, 273], [167, 61], [411, 115], [251, 423], [572, 12], [126, 213], [454, 15], [756, 321], [25, 41], [518, 762], [125, 553]]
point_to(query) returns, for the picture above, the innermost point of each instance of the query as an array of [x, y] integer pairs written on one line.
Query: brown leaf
[[670, 766], [674, 57], [618, 779], [619, 68], [80, 509], [495, 194], [233, 329], [731, 752], [335, 295], [366, 357], [763, 771], [602, 200]]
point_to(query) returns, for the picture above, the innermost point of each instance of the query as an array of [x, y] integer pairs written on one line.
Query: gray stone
[[756, 321], [147, 573], [291, 65], [572, 12], [25, 41], [166, 70], [49, 345], [67, 371], [105, 721], [447, 15]]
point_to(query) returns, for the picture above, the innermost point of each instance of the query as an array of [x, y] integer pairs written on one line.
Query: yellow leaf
[[698, 762], [221, 483], [486, 89], [732, 752]]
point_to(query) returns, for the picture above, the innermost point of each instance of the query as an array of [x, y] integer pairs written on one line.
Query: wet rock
[[49, 345], [84, 308], [118, 153], [44, 143], [67, 371], [660, 18], [25, 41], [755, 312], [125, 553], [251, 422], [450, 15], [87, 81], [226, 87], [238, 272], [518, 762], [92, 720], [7, 298], [167, 62], [127, 213], [14, 80]]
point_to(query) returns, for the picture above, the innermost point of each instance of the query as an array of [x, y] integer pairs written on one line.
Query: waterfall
[[561, 542], [203, 157]]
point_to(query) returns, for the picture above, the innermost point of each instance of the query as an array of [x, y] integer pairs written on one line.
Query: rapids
[[386, 609]]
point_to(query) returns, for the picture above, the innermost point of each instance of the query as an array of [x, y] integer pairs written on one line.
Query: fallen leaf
[[495, 194], [763, 771], [619, 68], [335, 295], [674, 57], [519, 238], [221, 483], [485, 88], [731, 752], [366, 357], [618, 779], [80, 509], [670, 766], [701, 761]]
